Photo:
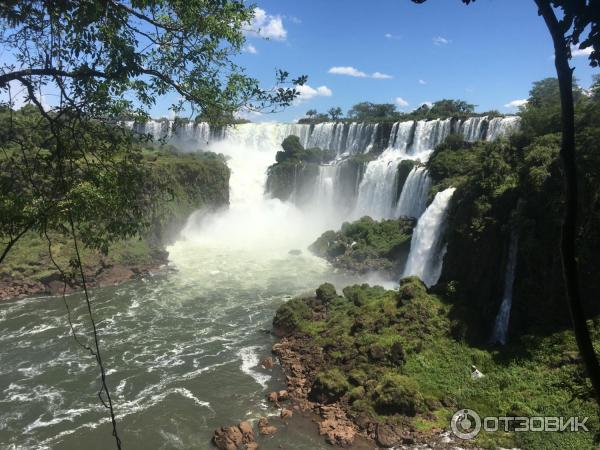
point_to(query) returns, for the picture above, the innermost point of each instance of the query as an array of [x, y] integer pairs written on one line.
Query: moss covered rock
[[367, 245]]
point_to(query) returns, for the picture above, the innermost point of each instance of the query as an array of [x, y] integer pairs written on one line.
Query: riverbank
[[194, 181], [28, 270]]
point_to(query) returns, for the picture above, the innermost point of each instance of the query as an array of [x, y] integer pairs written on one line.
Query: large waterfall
[[500, 332], [427, 248]]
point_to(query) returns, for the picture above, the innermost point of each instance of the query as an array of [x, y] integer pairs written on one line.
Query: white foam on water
[[250, 361]]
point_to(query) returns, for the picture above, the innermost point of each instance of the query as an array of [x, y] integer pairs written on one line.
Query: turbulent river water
[[182, 347]]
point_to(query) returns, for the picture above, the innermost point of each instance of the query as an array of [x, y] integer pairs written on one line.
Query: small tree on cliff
[[335, 113], [577, 24]]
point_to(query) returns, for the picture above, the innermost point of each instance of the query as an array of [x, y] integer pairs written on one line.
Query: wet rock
[[283, 395], [387, 436], [273, 397], [286, 413], [247, 431], [235, 437], [228, 438], [267, 362], [264, 428], [337, 432]]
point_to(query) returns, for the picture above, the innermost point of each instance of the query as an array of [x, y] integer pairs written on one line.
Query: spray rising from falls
[[426, 248], [500, 332]]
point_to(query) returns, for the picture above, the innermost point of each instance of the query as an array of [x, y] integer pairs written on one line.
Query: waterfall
[[501, 127], [376, 190], [428, 135], [500, 332], [401, 135], [413, 198], [473, 128], [426, 247]]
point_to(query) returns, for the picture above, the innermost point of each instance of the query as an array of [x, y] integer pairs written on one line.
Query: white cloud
[[307, 92], [381, 76], [516, 103], [354, 72], [439, 40], [400, 102], [249, 48], [347, 70], [575, 51], [267, 26], [422, 82]]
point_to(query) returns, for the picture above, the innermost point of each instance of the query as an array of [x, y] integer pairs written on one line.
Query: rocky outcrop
[[367, 245], [235, 437]]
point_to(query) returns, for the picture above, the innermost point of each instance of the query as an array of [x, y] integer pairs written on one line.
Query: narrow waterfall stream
[[500, 331], [426, 247]]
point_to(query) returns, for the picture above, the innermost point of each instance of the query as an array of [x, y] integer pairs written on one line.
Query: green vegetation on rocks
[[367, 245], [391, 357]]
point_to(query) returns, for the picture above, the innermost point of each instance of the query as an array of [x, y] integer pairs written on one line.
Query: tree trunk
[[569, 227]]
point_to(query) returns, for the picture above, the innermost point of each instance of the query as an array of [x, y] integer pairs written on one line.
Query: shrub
[[398, 394], [290, 315], [326, 292], [329, 385]]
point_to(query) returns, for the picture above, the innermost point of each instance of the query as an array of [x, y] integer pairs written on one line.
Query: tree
[[367, 111], [567, 29], [311, 113], [102, 61], [451, 108], [73, 168], [335, 113]]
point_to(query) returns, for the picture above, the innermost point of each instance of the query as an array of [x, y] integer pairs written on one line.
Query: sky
[[394, 51]]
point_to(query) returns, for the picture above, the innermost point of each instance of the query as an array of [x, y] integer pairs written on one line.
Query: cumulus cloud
[[249, 48], [439, 40], [576, 52], [267, 26], [400, 102], [307, 92], [354, 72], [422, 82], [516, 103]]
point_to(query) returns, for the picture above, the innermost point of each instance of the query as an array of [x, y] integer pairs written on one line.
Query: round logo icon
[[465, 424]]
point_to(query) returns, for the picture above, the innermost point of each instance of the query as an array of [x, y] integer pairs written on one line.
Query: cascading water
[[376, 190], [502, 127], [472, 128], [426, 247], [413, 198], [500, 331]]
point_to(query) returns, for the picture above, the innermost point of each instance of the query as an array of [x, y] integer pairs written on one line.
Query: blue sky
[[488, 53]]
